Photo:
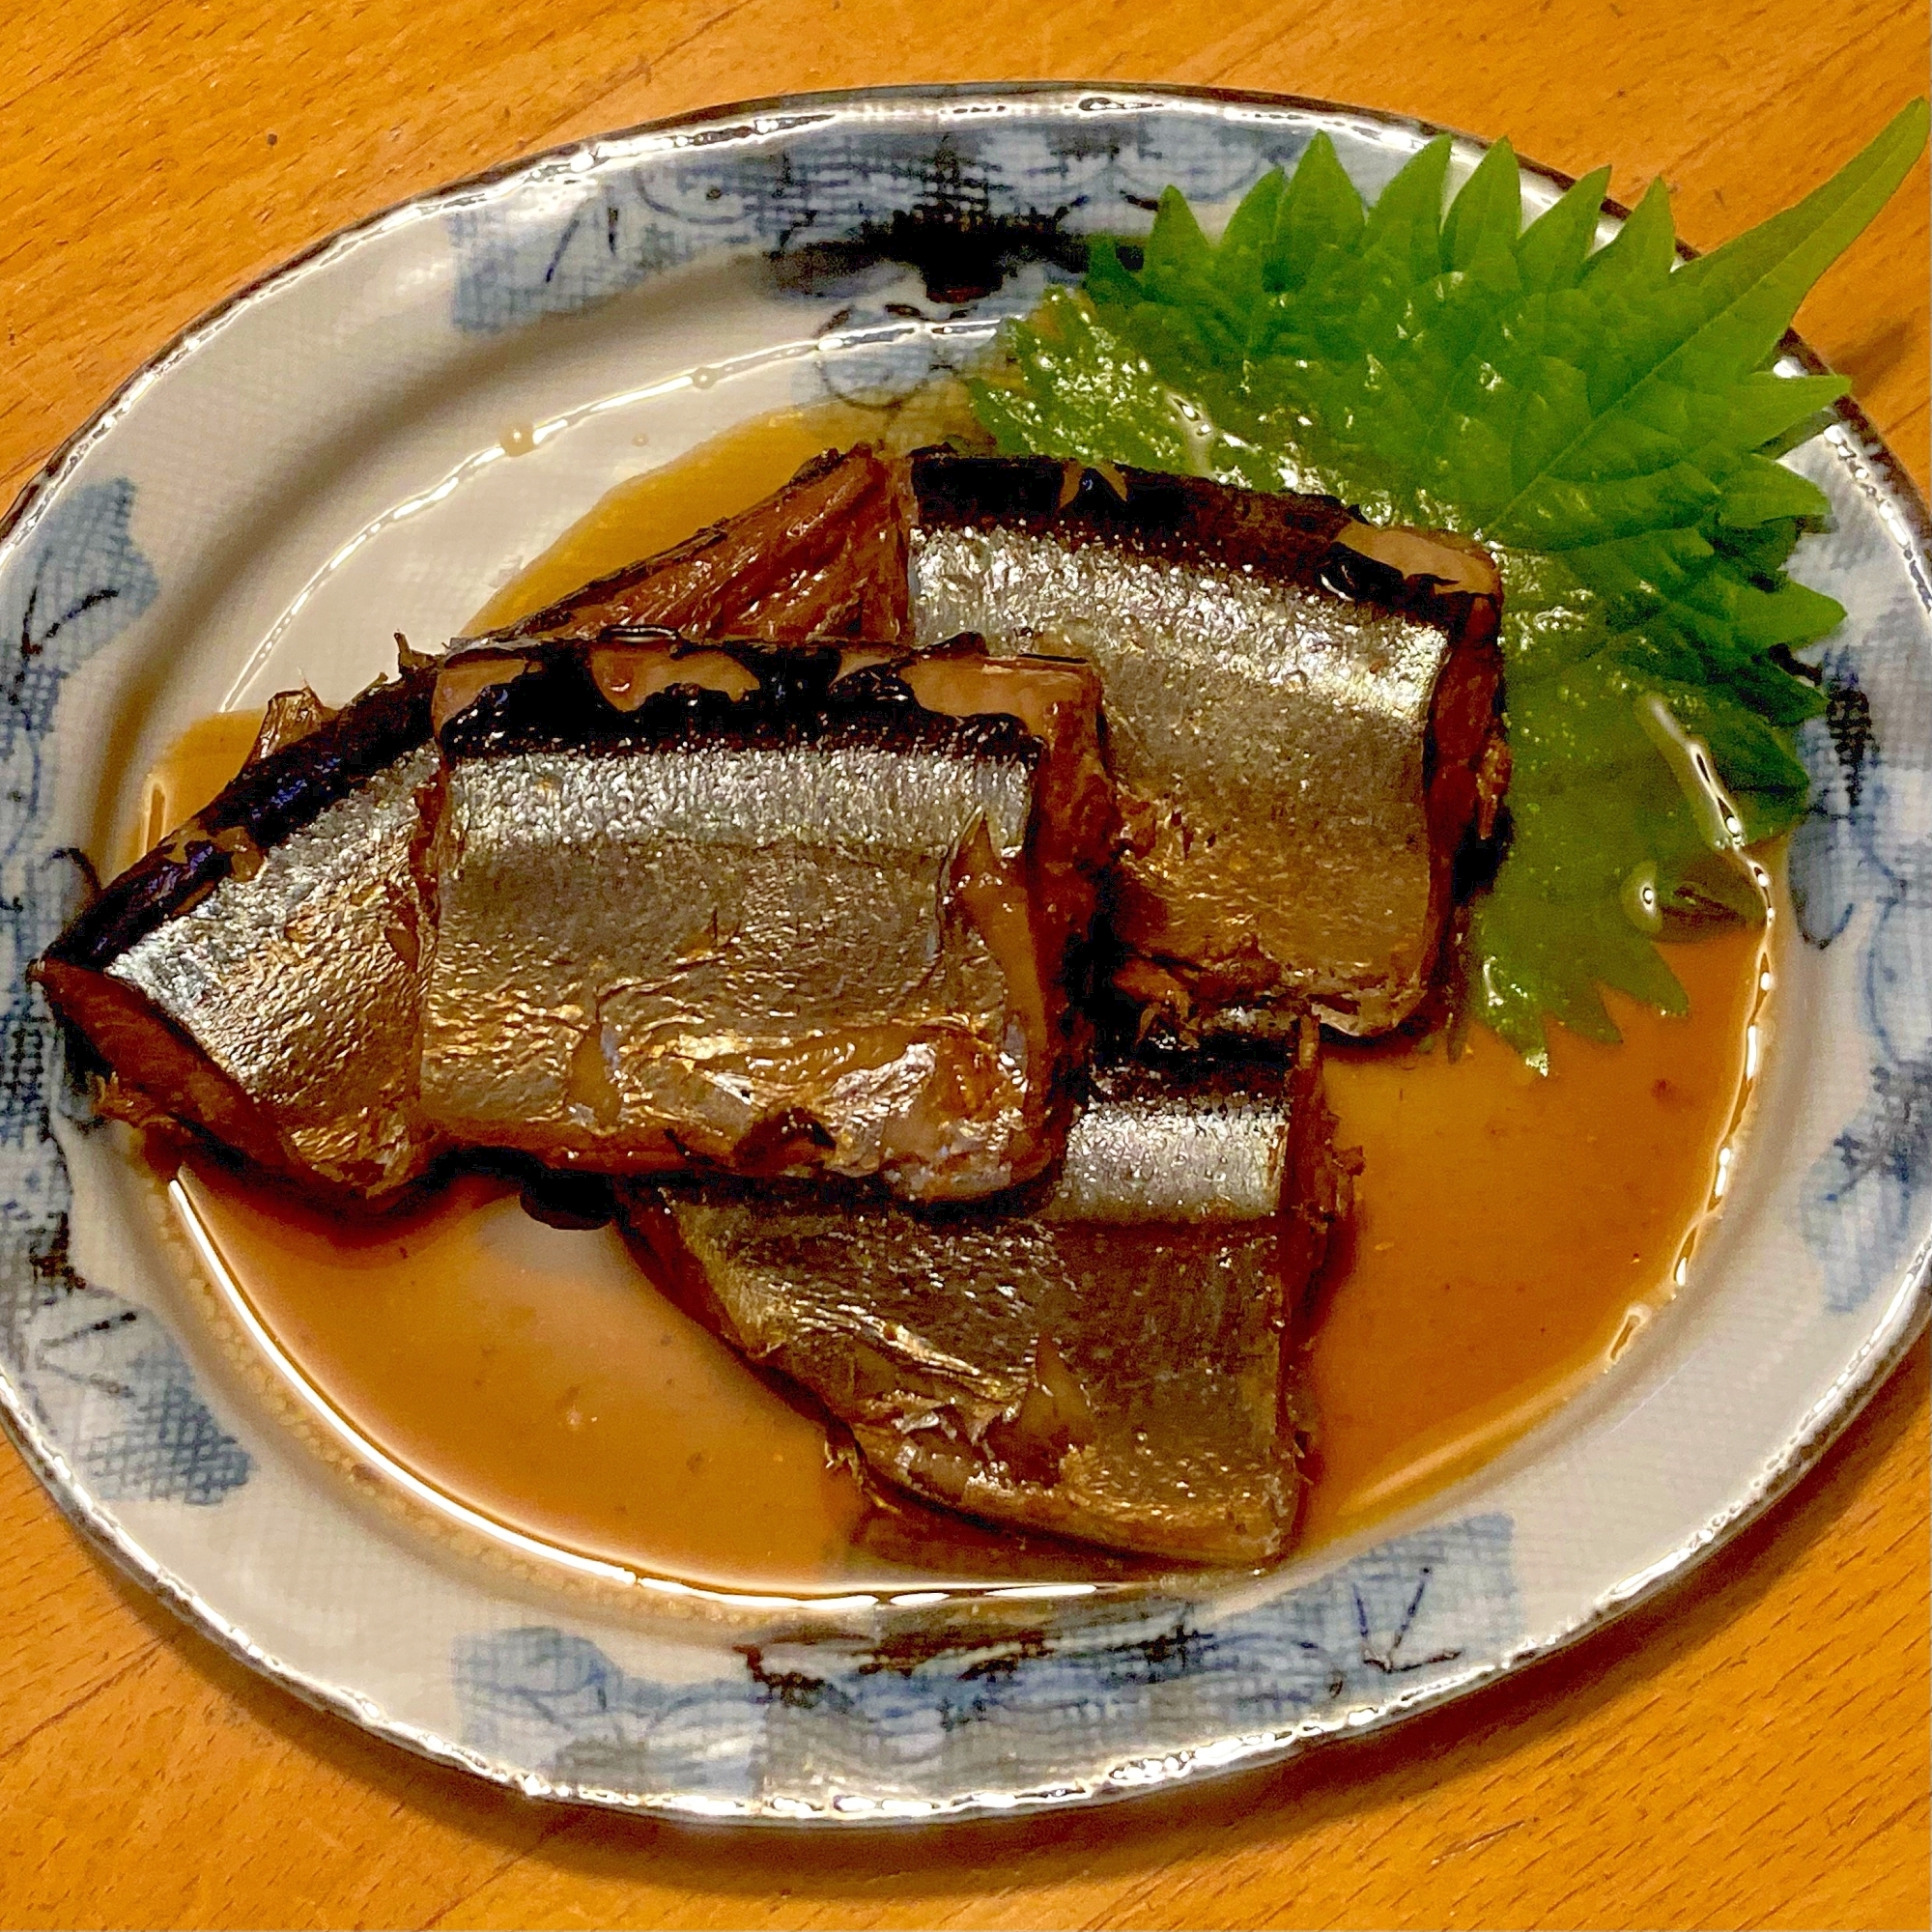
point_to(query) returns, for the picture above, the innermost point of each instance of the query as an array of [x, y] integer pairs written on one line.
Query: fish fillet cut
[[1109, 1358]]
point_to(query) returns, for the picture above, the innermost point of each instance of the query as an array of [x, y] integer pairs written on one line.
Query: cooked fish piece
[[824, 557], [1302, 713], [1109, 1360], [777, 911], [257, 976]]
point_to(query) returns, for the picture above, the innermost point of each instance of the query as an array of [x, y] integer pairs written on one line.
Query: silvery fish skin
[[759, 945], [259, 974], [1107, 1360], [1304, 706]]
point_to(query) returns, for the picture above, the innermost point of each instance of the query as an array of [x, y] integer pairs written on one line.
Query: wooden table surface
[[1752, 1749]]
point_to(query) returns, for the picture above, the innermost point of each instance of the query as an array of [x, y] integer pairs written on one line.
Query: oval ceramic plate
[[325, 460]]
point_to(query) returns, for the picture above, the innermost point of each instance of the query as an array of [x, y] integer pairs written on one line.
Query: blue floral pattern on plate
[[104, 1376], [831, 186], [1860, 872], [825, 1716]]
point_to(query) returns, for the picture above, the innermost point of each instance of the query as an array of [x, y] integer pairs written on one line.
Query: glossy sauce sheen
[[1511, 1233]]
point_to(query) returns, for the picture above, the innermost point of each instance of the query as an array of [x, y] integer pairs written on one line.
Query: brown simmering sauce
[[1512, 1232]]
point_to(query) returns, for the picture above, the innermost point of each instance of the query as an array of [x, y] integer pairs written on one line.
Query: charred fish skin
[[1109, 1360], [823, 558], [795, 919], [257, 976], [1305, 708]]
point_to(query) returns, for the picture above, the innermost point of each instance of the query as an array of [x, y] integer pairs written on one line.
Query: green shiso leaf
[[1080, 395], [1604, 419]]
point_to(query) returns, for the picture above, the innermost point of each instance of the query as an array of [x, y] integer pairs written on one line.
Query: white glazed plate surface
[[323, 463]]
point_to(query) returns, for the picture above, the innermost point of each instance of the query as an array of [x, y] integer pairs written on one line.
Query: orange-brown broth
[[1512, 1232]]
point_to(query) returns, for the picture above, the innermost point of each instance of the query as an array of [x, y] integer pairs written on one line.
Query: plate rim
[[1907, 1313]]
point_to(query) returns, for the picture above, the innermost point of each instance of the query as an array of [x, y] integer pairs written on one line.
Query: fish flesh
[[258, 975], [1111, 1358], [823, 558], [779, 911], [1302, 715], [1303, 709], [264, 975]]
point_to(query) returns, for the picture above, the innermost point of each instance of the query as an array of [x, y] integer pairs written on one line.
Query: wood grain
[[1751, 1751]]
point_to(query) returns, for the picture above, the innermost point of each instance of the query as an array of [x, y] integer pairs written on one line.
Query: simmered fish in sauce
[[1407, 1402], [781, 911], [1301, 712], [257, 976], [1111, 1361], [1302, 708]]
